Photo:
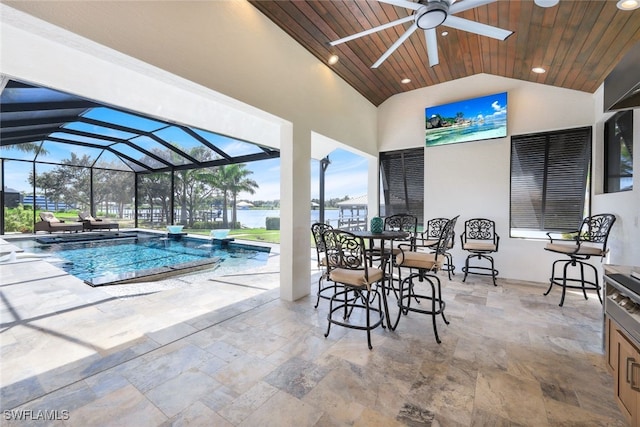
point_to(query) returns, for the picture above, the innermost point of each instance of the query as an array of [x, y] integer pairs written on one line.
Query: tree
[[190, 192], [30, 147], [153, 188], [238, 182], [75, 174], [229, 180], [112, 186], [51, 186]]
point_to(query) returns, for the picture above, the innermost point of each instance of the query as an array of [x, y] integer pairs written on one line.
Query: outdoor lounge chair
[[90, 223], [50, 223]]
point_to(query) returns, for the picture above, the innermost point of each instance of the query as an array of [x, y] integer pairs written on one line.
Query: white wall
[[472, 179]]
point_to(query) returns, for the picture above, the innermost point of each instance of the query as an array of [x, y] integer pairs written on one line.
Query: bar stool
[[430, 237], [480, 240], [423, 263], [589, 240], [349, 267]]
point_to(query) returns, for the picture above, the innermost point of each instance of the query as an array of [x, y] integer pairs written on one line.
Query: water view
[[256, 218]]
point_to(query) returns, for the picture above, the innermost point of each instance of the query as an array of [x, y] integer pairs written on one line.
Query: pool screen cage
[[60, 152]]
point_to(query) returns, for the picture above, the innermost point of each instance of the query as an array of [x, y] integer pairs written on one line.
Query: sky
[[345, 176]]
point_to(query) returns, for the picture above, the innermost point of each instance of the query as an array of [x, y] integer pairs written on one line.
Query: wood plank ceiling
[[577, 42]]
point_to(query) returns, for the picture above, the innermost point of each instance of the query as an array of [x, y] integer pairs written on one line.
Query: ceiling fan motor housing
[[431, 14]]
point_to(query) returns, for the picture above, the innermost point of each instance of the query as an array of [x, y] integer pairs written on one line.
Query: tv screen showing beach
[[469, 120]]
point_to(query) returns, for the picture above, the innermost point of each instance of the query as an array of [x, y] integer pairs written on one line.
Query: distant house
[[47, 204], [11, 197], [244, 205]]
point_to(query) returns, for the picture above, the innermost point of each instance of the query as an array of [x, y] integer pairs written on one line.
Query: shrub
[[272, 223], [18, 219], [203, 225]]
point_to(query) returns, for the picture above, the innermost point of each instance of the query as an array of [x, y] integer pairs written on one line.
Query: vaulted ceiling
[[577, 42]]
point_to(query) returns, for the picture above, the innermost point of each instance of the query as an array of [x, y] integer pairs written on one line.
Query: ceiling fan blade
[[403, 3], [395, 45], [432, 46], [373, 30], [468, 4], [476, 27]]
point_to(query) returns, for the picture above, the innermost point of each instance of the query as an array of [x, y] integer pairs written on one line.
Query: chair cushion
[[49, 217], [429, 242], [570, 249], [479, 246], [421, 260], [356, 277]]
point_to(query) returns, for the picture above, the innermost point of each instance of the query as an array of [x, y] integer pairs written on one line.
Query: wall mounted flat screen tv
[[469, 120]]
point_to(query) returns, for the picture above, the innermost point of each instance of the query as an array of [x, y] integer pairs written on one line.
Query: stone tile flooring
[[226, 351]]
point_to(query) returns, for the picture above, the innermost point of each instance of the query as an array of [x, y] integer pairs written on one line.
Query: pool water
[[132, 259]]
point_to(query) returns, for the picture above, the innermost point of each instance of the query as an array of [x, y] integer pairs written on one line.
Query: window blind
[[402, 180], [549, 177]]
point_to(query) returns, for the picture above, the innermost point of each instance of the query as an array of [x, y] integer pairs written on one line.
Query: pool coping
[[154, 273]]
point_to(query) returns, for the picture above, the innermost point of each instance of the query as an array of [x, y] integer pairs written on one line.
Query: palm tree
[[239, 183], [230, 180]]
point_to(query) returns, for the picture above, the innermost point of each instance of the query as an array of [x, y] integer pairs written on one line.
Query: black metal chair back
[[317, 230], [401, 222], [344, 250], [596, 228], [480, 229]]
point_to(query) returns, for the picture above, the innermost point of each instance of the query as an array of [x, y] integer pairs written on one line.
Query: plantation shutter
[[549, 173], [402, 179]]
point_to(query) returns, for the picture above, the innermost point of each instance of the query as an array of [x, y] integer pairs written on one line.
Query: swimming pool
[[131, 257]]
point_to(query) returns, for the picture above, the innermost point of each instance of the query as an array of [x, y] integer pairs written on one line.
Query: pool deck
[[202, 350], [55, 330]]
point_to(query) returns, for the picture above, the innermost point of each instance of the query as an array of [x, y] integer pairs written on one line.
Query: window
[[402, 182], [549, 181], [618, 152]]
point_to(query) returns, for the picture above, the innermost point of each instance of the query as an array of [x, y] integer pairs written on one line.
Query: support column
[[373, 188], [324, 164], [295, 213]]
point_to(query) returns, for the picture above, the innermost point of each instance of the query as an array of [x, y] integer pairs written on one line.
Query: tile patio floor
[[201, 350]]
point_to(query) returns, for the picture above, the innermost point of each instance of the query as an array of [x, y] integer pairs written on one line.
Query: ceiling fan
[[429, 14]]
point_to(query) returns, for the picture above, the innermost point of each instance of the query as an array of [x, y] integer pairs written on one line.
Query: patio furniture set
[[50, 223], [357, 277]]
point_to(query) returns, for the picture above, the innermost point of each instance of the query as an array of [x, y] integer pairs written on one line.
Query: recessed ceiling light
[[333, 59], [538, 70], [445, 33], [405, 81], [628, 4], [546, 3]]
